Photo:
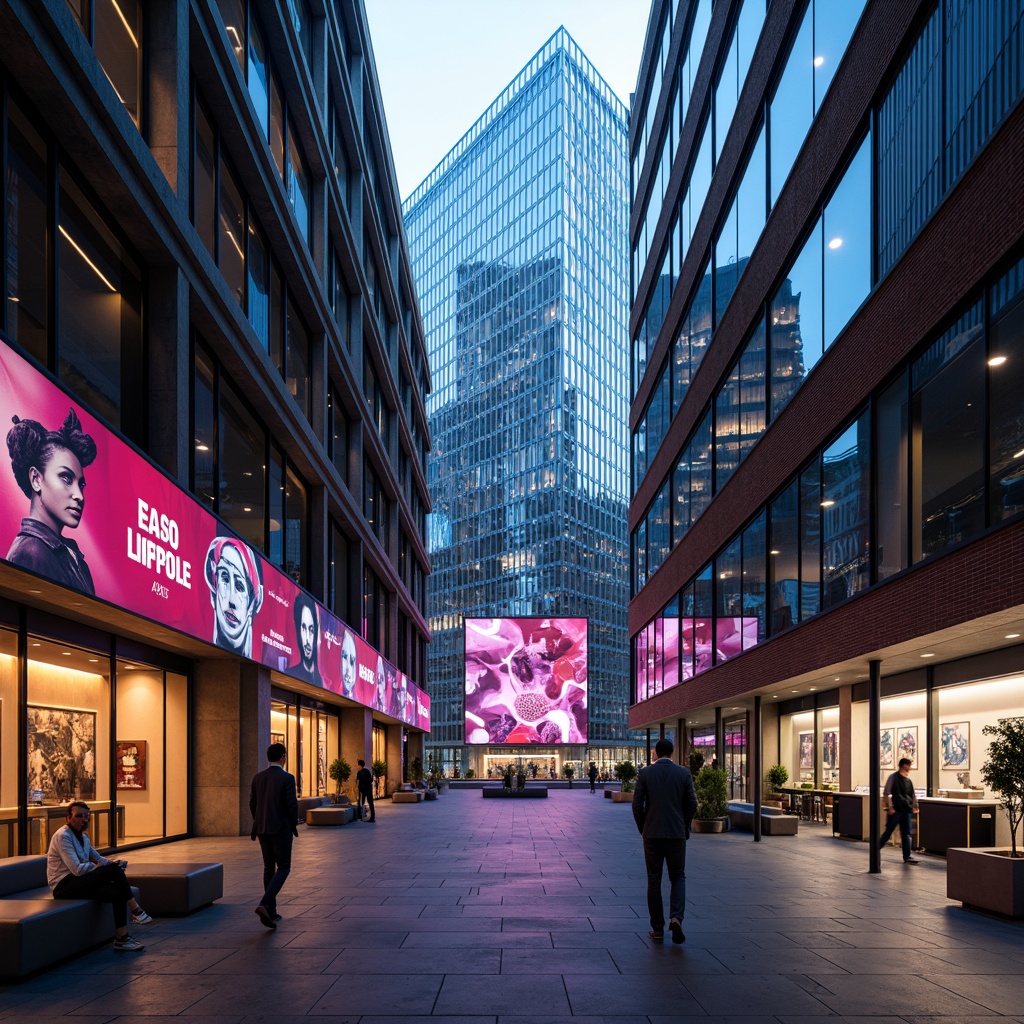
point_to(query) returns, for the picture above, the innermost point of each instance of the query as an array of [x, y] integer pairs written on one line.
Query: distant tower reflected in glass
[[518, 246]]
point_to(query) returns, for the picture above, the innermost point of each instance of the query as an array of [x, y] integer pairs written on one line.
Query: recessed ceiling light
[[827, 503], [67, 654], [836, 679], [1011, 636], [35, 591], [835, 243], [37, 645], [997, 361], [773, 552], [93, 661], [812, 687], [928, 655], [818, 61], [794, 691]]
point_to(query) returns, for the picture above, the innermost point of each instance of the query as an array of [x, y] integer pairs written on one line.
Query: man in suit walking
[[275, 812], [664, 803], [364, 788]]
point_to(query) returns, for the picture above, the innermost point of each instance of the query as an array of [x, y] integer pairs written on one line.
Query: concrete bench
[[407, 796], [773, 821], [36, 930], [333, 815], [536, 792], [176, 888]]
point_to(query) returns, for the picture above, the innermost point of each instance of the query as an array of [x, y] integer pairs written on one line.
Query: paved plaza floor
[[472, 911]]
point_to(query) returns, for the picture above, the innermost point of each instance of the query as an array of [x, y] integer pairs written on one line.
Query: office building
[[827, 332], [209, 317], [517, 243]]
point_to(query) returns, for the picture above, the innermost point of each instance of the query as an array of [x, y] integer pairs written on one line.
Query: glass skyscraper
[[517, 242]]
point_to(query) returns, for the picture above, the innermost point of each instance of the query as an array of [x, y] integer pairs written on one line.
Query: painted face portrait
[[61, 490], [236, 591], [348, 664], [382, 686], [307, 636]]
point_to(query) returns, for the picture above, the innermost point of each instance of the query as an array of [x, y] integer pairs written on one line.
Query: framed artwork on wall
[[886, 749], [956, 744], [61, 754], [906, 744], [807, 750], [277, 737], [130, 760], [830, 749]]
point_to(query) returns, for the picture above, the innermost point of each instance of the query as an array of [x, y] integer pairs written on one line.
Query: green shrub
[[625, 772], [712, 793]]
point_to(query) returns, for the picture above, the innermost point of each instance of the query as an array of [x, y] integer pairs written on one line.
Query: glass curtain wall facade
[[802, 435], [518, 241]]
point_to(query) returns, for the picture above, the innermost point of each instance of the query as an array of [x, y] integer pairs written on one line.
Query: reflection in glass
[[844, 515], [892, 411], [1006, 388]]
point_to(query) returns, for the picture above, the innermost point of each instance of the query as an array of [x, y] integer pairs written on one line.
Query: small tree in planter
[[470, 773], [379, 770], [435, 775], [625, 772], [1003, 772], [777, 776], [696, 762], [340, 771], [712, 800], [568, 771]]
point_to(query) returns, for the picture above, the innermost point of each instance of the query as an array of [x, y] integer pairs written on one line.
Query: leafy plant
[[696, 762], [379, 770], [625, 772], [712, 793], [1004, 771], [568, 771], [339, 770], [435, 774], [470, 773], [778, 776]]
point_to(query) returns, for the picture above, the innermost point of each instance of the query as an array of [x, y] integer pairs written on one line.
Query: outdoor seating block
[[407, 797], [536, 792], [176, 888], [773, 821], [330, 815]]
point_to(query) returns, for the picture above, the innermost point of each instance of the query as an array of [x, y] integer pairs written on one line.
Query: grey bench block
[[176, 888]]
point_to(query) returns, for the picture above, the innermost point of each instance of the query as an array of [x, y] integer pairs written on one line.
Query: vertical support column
[[647, 752], [356, 742], [845, 733], [932, 725], [396, 770], [874, 765], [167, 116], [682, 754], [755, 742], [719, 738], [661, 730]]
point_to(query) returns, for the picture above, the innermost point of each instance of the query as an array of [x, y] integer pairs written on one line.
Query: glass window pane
[[242, 478], [847, 251], [892, 418], [750, 202], [792, 106], [726, 92], [204, 189], [27, 279], [232, 233], [232, 13], [276, 319], [275, 511], [754, 583], [257, 77], [277, 126], [833, 27], [297, 360], [810, 541], [296, 525], [728, 588], [1006, 398], [784, 559], [298, 184], [203, 429], [726, 269], [700, 469], [259, 284], [117, 29], [844, 515], [681, 492], [727, 429], [752, 397]]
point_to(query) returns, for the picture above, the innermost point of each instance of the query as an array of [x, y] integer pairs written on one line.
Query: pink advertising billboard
[[81, 507], [526, 680]]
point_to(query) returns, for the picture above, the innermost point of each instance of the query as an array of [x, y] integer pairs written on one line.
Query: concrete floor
[[467, 911]]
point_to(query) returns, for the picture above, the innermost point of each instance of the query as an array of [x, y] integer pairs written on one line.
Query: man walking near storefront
[[901, 803], [364, 788], [664, 803], [75, 871], [275, 813]]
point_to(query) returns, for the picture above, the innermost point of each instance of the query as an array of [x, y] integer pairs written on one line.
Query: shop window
[[949, 432], [703, 620], [729, 604], [810, 541], [1006, 388], [99, 322], [26, 281], [784, 559], [844, 513], [242, 479]]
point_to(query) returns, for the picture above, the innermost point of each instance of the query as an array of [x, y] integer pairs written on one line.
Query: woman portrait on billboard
[[49, 468], [235, 578], [348, 666]]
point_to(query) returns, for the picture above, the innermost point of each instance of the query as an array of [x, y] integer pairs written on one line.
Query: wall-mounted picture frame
[[887, 749], [130, 759], [807, 750], [906, 744], [61, 754], [955, 741], [830, 749]]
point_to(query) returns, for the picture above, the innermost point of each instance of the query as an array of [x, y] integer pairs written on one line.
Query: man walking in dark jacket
[[275, 812], [364, 788], [664, 803]]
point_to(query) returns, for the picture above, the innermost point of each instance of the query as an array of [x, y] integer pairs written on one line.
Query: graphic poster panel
[[526, 680]]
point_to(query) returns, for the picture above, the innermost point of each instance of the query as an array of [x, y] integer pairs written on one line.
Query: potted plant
[[776, 777], [435, 775], [993, 878], [339, 770], [712, 800], [696, 762], [568, 771], [379, 770], [625, 772], [470, 773]]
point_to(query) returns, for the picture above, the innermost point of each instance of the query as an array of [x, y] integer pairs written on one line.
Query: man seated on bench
[[74, 870]]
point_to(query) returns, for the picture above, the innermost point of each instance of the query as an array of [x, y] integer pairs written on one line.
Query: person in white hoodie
[[74, 870]]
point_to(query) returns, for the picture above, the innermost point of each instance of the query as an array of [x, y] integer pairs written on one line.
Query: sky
[[441, 63]]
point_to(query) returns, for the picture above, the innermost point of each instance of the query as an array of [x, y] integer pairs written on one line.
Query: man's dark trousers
[[670, 852], [277, 865], [105, 884]]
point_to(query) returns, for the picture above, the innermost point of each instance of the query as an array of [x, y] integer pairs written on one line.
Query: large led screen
[[81, 507], [526, 680]]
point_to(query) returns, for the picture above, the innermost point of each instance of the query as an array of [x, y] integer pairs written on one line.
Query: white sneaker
[[128, 945], [140, 917]]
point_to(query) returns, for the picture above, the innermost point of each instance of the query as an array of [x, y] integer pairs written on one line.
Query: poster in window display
[[830, 750], [81, 507], [61, 754], [130, 762], [906, 744], [525, 680], [886, 748], [807, 750], [956, 744]]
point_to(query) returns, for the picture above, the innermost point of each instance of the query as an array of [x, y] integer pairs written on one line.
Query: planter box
[[985, 879], [620, 798], [709, 825]]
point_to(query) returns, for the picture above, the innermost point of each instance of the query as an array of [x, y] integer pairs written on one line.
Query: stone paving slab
[[463, 911]]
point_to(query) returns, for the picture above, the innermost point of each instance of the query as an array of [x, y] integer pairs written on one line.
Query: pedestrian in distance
[[664, 803], [275, 813], [364, 787], [75, 871], [592, 775], [901, 805]]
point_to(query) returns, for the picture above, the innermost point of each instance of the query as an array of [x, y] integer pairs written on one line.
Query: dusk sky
[[442, 62]]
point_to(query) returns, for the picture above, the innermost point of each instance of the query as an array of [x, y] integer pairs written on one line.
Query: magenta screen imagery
[[526, 680], [103, 521]]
